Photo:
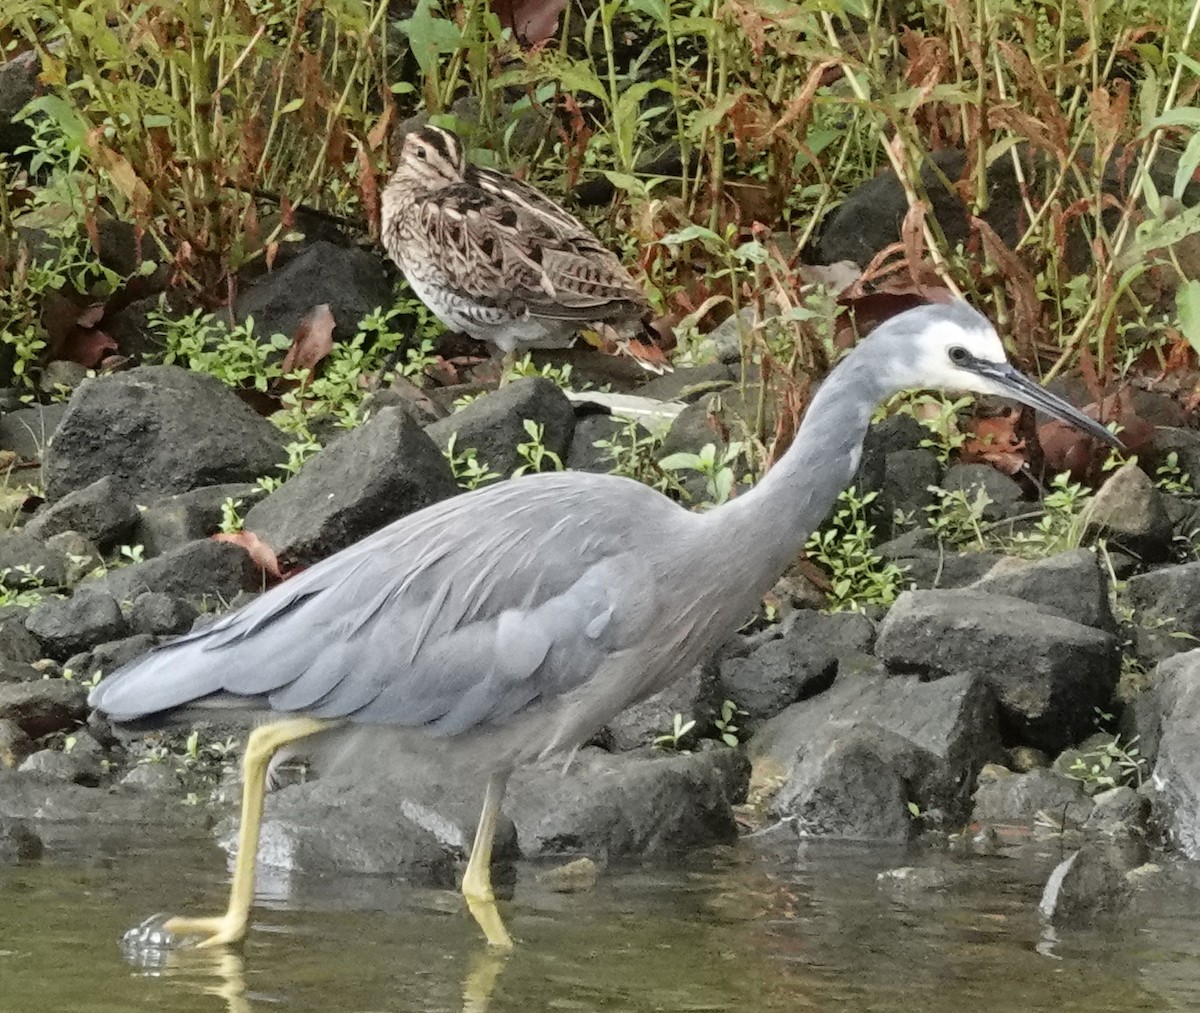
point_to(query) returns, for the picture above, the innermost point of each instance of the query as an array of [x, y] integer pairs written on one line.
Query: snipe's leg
[[477, 882], [507, 361], [261, 745]]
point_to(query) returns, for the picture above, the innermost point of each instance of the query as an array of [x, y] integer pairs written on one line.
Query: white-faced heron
[[520, 618]]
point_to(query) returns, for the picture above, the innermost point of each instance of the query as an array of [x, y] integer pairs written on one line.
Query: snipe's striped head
[[432, 158]]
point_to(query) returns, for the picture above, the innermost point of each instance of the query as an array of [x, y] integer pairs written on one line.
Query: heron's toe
[[162, 932]]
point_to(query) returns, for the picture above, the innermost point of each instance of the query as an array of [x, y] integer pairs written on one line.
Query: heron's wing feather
[[459, 614]]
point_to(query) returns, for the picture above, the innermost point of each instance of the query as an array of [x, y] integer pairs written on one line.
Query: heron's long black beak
[[1023, 389]]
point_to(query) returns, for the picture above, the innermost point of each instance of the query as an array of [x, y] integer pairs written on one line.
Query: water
[[805, 928]]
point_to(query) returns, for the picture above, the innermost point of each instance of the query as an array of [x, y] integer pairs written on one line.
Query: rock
[[928, 564], [175, 520], [1129, 511], [18, 843], [18, 84], [908, 476], [28, 562], [17, 644], [159, 614], [932, 738], [48, 801], [1023, 759], [584, 455], [109, 657], [27, 430], [1048, 673], [155, 777], [1004, 493], [15, 745], [82, 556], [1118, 810], [63, 767], [1176, 777], [1005, 797], [370, 477], [67, 626], [1071, 584], [103, 512], [321, 830], [1170, 594], [687, 383], [351, 281], [45, 706], [16, 671], [203, 572], [642, 723], [1183, 443], [797, 665], [1090, 884], [158, 430], [575, 877], [888, 436], [494, 424], [613, 807]]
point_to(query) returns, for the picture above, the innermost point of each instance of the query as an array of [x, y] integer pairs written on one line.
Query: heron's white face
[[947, 351]]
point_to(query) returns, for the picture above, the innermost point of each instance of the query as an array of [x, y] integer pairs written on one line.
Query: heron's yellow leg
[[262, 744], [481, 980], [477, 882]]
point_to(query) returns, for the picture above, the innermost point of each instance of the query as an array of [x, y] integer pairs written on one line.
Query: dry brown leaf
[[313, 340], [368, 190], [531, 21], [995, 441]]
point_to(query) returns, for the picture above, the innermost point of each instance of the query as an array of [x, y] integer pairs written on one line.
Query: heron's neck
[[769, 524]]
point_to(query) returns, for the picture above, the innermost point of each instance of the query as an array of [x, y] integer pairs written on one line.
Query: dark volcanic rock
[[27, 430], [494, 425], [1177, 770], [62, 766], [30, 562], [1005, 797], [352, 282], [1073, 584], [642, 723], [972, 479], [628, 805], [1090, 884], [196, 572], [1129, 511], [15, 745], [907, 478], [799, 664], [65, 627], [159, 430], [583, 454], [160, 614], [47, 801], [365, 480], [18, 84], [18, 843], [1048, 673], [108, 657], [17, 644], [1171, 594], [928, 564], [175, 520], [931, 738], [45, 706], [891, 435]]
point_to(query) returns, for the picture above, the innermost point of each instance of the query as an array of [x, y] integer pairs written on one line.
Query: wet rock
[[110, 656], [1023, 759], [1118, 811], [160, 614], [1129, 511], [1090, 884], [45, 706], [48, 801], [370, 477], [18, 843], [1072, 584], [68, 626], [1176, 777], [310, 830], [352, 282], [15, 745], [28, 562], [63, 767], [494, 425], [931, 738], [82, 556], [972, 479], [583, 454], [203, 572], [153, 777], [612, 807], [103, 512], [159, 430], [645, 721], [26, 431], [1005, 797], [797, 665], [578, 876], [1170, 594], [175, 520], [17, 644], [1048, 673]]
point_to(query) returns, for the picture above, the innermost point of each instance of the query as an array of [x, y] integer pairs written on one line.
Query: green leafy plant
[[724, 724], [534, 453], [674, 739], [717, 468], [633, 451], [957, 516], [859, 576], [469, 471], [1062, 523], [1113, 765], [1170, 477], [231, 518]]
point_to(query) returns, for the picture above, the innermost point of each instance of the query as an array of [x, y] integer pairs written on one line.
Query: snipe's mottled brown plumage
[[493, 257]]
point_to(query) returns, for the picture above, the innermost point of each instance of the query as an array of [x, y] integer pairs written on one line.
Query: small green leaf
[[1187, 308]]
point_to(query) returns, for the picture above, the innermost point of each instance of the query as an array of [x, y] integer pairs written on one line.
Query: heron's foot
[[165, 932], [482, 905]]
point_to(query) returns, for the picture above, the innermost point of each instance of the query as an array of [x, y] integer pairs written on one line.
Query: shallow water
[[798, 928]]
